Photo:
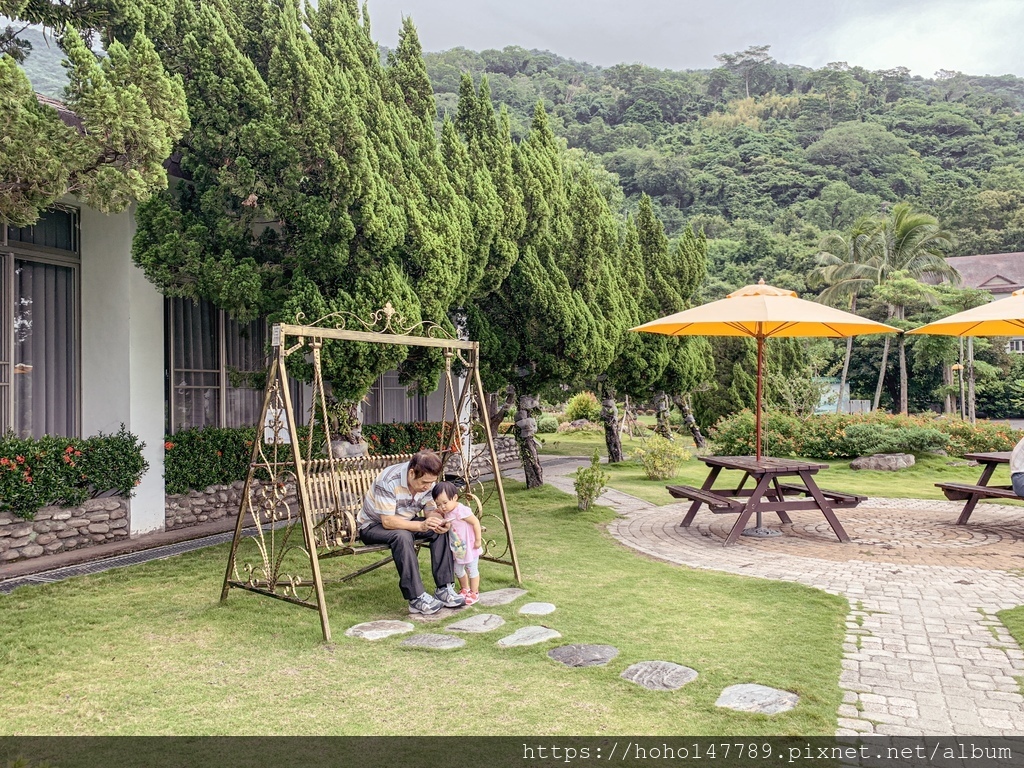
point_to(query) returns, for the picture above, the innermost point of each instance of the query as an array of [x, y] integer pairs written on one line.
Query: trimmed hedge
[[845, 436], [195, 459], [67, 470]]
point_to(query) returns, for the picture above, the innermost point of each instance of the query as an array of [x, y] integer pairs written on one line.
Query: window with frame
[[216, 367], [389, 401], [39, 326]]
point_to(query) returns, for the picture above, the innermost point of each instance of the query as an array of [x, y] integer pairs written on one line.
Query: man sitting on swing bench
[[398, 510]]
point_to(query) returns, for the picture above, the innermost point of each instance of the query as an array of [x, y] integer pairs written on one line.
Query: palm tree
[[843, 266], [903, 241], [915, 246]]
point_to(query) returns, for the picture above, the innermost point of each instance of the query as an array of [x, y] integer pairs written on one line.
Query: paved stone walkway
[[924, 653]]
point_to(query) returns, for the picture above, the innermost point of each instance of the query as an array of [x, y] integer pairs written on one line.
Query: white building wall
[[122, 331]]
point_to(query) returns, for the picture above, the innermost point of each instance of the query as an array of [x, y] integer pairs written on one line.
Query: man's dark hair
[[447, 487], [425, 463]]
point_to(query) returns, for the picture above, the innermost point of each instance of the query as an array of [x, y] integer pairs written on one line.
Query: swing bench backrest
[[336, 496]]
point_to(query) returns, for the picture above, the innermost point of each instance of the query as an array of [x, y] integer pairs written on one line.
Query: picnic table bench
[[769, 494], [972, 494]]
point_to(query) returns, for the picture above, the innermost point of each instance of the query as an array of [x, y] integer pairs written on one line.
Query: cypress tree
[[131, 110]]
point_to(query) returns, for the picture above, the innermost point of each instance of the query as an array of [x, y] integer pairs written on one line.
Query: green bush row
[[844, 436], [66, 471], [198, 458]]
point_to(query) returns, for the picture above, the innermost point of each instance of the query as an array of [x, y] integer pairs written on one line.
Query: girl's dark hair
[[425, 463], [447, 487]]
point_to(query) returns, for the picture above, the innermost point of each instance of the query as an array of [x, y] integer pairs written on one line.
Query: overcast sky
[[974, 36]]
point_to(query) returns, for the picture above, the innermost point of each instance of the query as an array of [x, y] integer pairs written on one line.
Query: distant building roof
[[999, 273], [66, 115]]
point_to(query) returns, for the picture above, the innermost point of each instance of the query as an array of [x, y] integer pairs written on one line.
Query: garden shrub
[[66, 471], [734, 435], [590, 483], [661, 458], [845, 436], [197, 458], [583, 406], [583, 426], [547, 424]]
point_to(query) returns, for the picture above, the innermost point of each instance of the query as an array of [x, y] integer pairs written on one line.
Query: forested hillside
[[764, 157]]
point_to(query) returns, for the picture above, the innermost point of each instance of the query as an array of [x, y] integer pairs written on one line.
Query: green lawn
[[149, 649], [917, 482]]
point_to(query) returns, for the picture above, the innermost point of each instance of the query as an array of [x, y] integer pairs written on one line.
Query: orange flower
[[168, 445]]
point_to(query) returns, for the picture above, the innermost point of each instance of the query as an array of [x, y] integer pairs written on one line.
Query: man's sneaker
[[425, 604], [448, 597], [472, 597]]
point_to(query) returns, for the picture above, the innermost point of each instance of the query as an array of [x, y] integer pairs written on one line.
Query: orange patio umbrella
[[763, 312], [1003, 317]]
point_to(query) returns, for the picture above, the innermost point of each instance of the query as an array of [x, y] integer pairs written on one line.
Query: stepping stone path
[[481, 622], [528, 636], [378, 630], [749, 697], [584, 655], [433, 642], [659, 675], [537, 609], [500, 597]]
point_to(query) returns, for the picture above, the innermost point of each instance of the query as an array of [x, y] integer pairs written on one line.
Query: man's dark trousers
[[403, 548]]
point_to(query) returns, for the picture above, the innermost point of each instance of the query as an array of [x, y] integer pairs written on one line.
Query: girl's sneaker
[[471, 597]]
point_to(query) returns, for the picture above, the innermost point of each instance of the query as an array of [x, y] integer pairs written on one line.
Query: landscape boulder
[[884, 461]]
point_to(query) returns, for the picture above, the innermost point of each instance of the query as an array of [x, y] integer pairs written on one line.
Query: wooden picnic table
[[768, 494], [982, 490]]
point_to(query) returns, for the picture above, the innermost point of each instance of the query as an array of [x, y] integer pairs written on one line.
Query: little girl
[[466, 538]]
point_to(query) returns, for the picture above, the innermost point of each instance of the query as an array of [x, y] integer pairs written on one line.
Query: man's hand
[[435, 523]]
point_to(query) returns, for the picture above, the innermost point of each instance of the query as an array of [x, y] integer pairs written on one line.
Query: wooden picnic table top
[[763, 466], [994, 457]]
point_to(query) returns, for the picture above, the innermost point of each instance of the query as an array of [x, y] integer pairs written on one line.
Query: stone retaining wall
[[97, 521], [59, 529]]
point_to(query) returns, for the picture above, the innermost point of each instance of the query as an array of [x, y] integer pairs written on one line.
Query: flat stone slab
[[433, 642], [378, 630], [442, 615], [750, 697], [528, 636], [500, 597], [659, 675], [537, 609], [481, 622], [584, 655]]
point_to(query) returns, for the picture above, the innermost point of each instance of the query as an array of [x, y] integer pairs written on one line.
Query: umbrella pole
[[757, 418], [759, 531]]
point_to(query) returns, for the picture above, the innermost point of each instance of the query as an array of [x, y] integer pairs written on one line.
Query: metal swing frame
[[273, 561]]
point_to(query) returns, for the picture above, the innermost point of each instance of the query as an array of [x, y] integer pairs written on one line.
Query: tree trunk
[[498, 409], [903, 375], [612, 436], [525, 431], [690, 422], [970, 380], [664, 424], [947, 380], [963, 399], [881, 374], [846, 370]]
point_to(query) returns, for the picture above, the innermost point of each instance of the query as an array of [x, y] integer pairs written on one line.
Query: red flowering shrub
[[67, 471]]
